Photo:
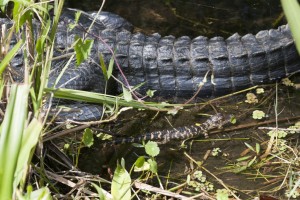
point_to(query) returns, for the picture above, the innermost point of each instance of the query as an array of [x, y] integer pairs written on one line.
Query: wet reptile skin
[[171, 66], [180, 133]]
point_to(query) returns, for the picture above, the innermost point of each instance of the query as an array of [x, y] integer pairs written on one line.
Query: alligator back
[[175, 67]]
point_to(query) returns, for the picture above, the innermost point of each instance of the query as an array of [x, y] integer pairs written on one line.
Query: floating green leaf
[[152, 148], [277, 133], [222, 194], [258, 114]]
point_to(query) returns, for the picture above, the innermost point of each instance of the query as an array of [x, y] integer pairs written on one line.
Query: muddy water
[[193, 18]]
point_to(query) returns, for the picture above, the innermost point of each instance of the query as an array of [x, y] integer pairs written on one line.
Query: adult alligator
[[171, 66]]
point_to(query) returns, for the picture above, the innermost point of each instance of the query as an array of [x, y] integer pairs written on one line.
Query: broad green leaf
[[140, 161], [9, 56], [153, 165], [291, 10], [82, 49], [88, 139], [127, 94], [120, 187], [152, 148]]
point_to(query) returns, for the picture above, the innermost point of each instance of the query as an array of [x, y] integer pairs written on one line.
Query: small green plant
[[251, 98], [222, 194], [216, 151], [152, 150], [199, 182], [258, 114], [121, 183]]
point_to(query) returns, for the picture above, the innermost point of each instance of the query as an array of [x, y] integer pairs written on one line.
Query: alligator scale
[[180, 133], [171, 66]]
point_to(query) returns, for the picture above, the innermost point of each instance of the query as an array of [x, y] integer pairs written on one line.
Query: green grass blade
[[11, 137], [291, 10], [29, 141], [9, 56], [97, 98]]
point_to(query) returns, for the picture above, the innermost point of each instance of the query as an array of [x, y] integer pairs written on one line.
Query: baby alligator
[[181, 133]]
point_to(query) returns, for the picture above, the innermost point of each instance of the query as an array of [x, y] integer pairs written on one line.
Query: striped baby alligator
[[181, 133], [173, 67]]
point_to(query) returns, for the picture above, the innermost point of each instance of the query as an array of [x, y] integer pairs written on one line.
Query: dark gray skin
[[173, 67]]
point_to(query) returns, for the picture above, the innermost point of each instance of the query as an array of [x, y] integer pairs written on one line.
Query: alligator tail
[[176, 67]]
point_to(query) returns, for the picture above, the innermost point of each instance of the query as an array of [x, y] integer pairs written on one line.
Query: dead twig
[[143, 186]]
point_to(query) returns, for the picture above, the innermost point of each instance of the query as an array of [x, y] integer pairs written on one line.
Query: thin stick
[[143, 186]]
